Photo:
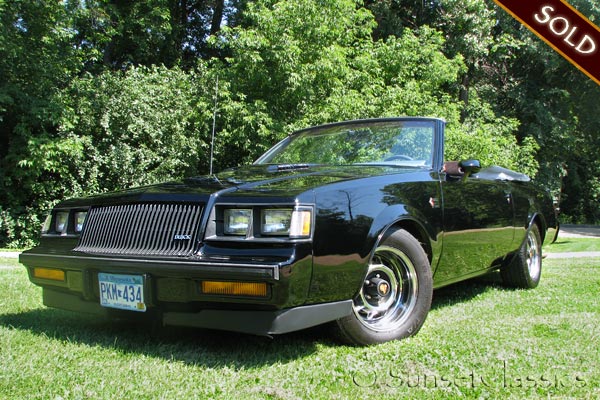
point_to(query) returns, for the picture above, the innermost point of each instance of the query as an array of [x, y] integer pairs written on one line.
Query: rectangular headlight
[[79, 220], [61, 222], [236, 221], [276, 222]]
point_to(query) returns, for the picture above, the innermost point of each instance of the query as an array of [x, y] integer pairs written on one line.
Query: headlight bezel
[[79, 217], [65, 222], [47, 224], [297, 221]]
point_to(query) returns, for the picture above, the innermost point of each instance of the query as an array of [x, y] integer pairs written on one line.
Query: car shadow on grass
[[209, 348], [466, 290]]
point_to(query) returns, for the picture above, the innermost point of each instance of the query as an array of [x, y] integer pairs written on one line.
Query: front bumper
[[172, 289], [263, 323]]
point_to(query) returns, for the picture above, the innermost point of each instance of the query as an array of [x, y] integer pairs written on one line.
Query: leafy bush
[[139, 127], [115, 130], [491, 140]]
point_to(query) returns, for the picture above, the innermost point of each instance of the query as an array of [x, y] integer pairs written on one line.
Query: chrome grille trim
[[142, 229]]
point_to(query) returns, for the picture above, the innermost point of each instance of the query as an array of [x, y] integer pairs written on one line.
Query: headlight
[[275, 222], [61, 222], [285, 222], [236, 221], [79, 220], [261, 222]]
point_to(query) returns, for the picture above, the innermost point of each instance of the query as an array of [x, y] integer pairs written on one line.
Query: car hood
[[252, 180]]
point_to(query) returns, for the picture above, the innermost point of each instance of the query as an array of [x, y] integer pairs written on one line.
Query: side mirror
[[470, 166]]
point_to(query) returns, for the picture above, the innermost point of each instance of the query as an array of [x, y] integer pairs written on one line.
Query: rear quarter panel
[[531, 202]]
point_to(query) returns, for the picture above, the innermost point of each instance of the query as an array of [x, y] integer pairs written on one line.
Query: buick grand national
[[353, 224]]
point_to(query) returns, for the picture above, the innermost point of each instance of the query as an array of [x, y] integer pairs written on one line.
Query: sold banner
[[562, 27]]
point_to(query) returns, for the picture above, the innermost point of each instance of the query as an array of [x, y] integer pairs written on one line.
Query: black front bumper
[[264, 323], [172, 291]]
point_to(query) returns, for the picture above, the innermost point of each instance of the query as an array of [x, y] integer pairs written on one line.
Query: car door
[[478, 226]]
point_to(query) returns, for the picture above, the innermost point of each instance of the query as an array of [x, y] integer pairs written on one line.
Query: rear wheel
[[525, 269], [395, 297]]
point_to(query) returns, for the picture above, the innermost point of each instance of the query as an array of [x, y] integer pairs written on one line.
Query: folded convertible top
[[502, 174]]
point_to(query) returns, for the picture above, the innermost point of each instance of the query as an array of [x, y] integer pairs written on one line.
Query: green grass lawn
[[479, 341], [563, 245]]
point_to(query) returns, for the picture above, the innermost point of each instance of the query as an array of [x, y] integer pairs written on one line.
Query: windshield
[[396, 143]]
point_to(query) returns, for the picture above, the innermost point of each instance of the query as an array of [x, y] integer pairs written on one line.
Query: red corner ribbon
[[563, 28]]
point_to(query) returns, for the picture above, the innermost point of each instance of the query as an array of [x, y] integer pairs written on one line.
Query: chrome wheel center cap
[[383, 288]]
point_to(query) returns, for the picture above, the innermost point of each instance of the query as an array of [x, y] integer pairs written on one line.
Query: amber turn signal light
[[256, 289], [51, 274]]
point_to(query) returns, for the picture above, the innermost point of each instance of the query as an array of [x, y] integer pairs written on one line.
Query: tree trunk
[[215, 26], [463, 95]]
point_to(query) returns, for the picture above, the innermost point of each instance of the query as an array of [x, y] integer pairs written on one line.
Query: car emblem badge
[[182, 237], [384, 288]]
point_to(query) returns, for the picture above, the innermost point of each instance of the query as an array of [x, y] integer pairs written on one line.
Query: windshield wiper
[[287, 167], [234, 181], [393, 165]]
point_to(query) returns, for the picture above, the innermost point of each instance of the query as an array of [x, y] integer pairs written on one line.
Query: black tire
[[525, 269], [395, 297]]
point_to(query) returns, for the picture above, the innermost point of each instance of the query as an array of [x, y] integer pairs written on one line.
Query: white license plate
[[125, 292]]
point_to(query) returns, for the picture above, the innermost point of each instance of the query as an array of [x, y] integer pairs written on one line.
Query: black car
[[353, 223]]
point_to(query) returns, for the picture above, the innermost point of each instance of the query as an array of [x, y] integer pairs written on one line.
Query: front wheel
[[395, 296]]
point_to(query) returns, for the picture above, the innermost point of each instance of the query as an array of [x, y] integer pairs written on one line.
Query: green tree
[[98, 95], [150, 122], [300, 63], [115, 130], [37, 59], [557, 106]]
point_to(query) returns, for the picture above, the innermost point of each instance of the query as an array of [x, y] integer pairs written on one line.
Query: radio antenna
[[212, 139]]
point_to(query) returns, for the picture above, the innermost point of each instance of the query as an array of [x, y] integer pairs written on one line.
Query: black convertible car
[[353, 223]]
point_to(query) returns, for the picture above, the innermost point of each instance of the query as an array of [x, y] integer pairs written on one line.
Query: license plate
[[125, 292]]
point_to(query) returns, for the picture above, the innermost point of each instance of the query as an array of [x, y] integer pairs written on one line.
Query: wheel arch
[[395, 218], [415, 229], [538, 219]]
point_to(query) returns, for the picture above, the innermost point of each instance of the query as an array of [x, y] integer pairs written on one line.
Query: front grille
[[141, 229]]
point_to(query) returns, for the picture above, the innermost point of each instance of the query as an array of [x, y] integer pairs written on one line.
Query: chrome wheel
[[525, 269], [389, 292], [395, 295], [534, 256]]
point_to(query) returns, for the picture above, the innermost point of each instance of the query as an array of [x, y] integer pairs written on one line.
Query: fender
[[410, 219]]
